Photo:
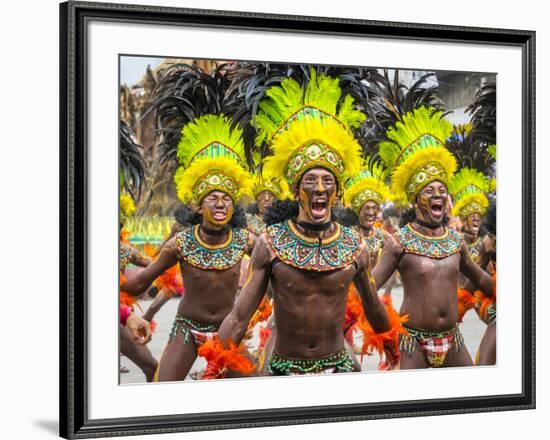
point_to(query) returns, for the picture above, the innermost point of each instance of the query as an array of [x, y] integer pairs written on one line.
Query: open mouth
[[219, 215], [319, 208], [436, 209]]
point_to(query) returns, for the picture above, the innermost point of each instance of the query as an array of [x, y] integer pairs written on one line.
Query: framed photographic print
[[251, 203]]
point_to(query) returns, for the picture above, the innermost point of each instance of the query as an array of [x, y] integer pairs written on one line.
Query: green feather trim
[[419, 122], [468, 181], [289, 102], [210, 136]]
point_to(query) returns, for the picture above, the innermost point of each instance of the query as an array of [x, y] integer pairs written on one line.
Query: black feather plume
[[469, 154], [185, 92], [483, 113], [131, 161], [388, 100]]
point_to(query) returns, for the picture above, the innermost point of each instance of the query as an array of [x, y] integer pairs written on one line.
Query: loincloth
[[435, 345], [190, 328], [340, 362]]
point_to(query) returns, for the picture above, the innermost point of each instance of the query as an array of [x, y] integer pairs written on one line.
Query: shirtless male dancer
[[209, 253], [309, 260], [428, 255]]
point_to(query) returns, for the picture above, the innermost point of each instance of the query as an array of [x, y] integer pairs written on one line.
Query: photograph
[[297, 219], [270, 219], [275, 220]]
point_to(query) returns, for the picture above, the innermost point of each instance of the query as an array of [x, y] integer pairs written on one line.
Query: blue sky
[[132, 69]]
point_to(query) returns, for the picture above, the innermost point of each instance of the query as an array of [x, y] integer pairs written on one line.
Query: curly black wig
[[407, 216], [346, 217], [239, 218], [280, 211], [252, 209], [390, 212], [491, 219], [185, 216]]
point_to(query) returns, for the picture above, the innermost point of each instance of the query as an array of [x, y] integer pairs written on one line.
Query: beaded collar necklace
[[309, 253], [375, 239], [198, 253], [416, 243]]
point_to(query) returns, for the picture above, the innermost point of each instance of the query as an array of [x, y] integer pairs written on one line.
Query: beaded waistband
[[425, 334], [409, 341], [340, 361], [186, 325]]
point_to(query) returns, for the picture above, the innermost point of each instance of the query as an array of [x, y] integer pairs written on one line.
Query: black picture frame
[[74, 388]]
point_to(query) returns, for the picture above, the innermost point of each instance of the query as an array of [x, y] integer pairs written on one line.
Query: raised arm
[[162, 298], [375, 312], [235, 324], [479, 278], [388, 261], [138, 283], [366, 287]]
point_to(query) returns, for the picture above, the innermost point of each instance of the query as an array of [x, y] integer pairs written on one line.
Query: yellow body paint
[[210, 219]]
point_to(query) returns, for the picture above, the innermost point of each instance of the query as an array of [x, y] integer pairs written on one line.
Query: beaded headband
[[311, 156], [214, 180]]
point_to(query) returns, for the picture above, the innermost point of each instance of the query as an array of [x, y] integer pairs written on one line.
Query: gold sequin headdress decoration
[[367, 185], [469, 188]]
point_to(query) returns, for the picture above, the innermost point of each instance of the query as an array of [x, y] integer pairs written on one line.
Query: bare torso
[[429, 286], [430, 272], [209, 294], [309, 310], [310, 289]]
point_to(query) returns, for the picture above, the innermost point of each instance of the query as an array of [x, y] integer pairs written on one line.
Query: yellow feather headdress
[[278, 187], [367, 185], [308, 128], [211, 156], [469, 188], [416, 153], [127, 206]]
